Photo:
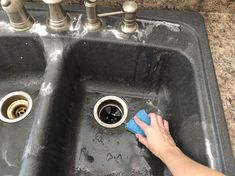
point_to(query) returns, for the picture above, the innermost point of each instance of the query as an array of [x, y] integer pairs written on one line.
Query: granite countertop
[[221, 34]]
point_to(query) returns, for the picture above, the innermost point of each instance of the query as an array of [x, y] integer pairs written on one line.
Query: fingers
[[166, 125], [160, 121], [141, 124], [142, 139], [156, 120], [153, 118]]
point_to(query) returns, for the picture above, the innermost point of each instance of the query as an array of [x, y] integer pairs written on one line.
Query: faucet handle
[[18, 16]]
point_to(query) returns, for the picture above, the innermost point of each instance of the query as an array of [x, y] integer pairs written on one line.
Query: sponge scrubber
[[133, 127]]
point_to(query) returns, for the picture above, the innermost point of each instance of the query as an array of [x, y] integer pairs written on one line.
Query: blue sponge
[[133, 127]]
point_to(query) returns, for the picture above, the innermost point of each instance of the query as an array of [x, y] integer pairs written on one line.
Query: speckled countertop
[[221, 34]]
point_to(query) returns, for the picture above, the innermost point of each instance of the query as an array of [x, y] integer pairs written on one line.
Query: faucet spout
[[18, 16], [93, 23]]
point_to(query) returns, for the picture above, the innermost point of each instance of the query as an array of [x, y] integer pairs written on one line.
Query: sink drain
[[15, 106], [110, 111]]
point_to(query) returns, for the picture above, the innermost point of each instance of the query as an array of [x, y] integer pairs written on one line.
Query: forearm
[[181, 165]]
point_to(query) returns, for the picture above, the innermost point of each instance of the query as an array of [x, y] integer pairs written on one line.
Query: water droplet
[[21, 57], [99, 137], [109, 156], [118, 158], [152, 96]]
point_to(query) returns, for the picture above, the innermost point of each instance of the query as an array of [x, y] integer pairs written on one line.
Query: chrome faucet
[[128, 24], [57, 20], [18, 16]]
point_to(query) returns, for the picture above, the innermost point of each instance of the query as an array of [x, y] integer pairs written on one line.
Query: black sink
[[21, 69], [138, 74], [166, 68]]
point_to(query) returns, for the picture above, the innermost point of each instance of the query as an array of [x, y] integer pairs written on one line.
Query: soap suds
[[39, 29], [174, 27]]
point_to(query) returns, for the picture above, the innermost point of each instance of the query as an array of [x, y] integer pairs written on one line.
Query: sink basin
[[165, 67], [21, 69], [155, 79]]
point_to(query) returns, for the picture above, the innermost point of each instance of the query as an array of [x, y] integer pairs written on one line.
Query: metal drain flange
[[15, 106], [110, 111]]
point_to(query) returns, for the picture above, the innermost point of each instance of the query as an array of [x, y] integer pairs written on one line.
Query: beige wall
[[199, 5]]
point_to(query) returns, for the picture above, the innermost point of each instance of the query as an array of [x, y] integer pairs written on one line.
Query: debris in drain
[[110, 114]]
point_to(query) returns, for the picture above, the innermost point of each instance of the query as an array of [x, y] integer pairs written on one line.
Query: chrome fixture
[[57, 20], [15, 106], [128, 24], [18, 16], [92, 22], [110, 111]]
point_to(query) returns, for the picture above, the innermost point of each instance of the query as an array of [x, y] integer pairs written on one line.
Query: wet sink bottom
[[154, 79], [101, 151]]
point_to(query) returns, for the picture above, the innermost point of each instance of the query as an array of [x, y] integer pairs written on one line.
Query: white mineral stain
[[55, 55], [46, 89]]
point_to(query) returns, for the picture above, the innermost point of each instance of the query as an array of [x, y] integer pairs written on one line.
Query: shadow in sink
[[22, 65], [155, 79]]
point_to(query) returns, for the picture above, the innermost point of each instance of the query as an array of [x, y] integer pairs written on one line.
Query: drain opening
[[15, 106], [110, 114], [110, 111]]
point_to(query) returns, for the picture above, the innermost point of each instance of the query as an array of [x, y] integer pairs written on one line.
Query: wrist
[[170, 152]]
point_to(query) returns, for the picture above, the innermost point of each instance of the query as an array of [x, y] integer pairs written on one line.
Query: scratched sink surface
[[164, 67], [21, 69]]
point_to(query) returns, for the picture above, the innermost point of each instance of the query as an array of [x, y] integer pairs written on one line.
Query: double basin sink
[[165, 67]]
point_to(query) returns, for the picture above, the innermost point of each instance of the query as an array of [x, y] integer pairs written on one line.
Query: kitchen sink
[[21, 69], [158, 80], [165, 67]]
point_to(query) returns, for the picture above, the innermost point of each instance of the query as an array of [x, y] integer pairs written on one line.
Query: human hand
[[158, 138], [159, 141]]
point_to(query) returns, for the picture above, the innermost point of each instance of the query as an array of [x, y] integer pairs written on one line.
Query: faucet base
[[23, 26], [59, 26], [58, 20], [128, 28], [18, 16], [93, 27]]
